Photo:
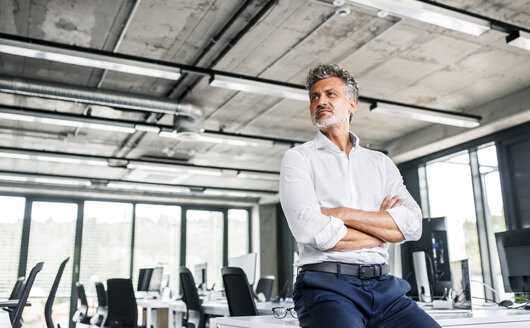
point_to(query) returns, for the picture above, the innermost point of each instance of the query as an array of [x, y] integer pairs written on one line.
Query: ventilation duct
[[189, 112]]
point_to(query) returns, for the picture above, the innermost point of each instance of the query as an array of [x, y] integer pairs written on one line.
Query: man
[[344, 204]]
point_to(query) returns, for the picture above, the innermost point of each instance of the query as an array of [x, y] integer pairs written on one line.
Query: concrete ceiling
[[393, 58]]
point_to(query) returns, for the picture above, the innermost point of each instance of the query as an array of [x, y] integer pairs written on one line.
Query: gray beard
[[329, 122]]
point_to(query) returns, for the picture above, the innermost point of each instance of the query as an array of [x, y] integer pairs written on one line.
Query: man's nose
[[322, 100]]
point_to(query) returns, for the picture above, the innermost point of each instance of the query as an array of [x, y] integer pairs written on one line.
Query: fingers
[[388, 203], [384, 204]]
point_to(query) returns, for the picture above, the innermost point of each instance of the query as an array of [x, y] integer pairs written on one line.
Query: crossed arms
[[367, 229]]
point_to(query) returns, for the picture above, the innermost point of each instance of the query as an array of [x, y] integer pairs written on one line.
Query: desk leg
[[148, 317]]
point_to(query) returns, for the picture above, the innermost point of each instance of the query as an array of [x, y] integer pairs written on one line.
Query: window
[[106, 243], [51, 240], [238, 229], [11, 220], [491, 185], [204, 243], [157, 240], [450, 194]]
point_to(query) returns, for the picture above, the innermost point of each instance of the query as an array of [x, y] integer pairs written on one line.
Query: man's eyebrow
[[325, 90]]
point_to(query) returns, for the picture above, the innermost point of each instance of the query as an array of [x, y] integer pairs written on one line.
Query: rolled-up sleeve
[[301, 207], [407, 216]]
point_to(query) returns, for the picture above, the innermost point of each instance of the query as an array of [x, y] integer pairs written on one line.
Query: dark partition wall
[[514, 167]]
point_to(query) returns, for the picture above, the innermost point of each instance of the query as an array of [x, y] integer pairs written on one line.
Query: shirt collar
[[321, 141]]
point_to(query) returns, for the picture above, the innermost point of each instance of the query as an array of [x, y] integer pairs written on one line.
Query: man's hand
[[389, 203]]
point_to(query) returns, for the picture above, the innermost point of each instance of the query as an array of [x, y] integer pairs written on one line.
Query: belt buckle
[[366, 272]]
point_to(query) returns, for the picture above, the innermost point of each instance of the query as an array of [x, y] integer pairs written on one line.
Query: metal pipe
[[101, 97]]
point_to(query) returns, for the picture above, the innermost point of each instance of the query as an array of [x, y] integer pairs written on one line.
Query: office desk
[[497, 318], [150, 305], [221, 308]]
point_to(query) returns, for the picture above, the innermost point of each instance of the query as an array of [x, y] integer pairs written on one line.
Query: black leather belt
[[362, 271]]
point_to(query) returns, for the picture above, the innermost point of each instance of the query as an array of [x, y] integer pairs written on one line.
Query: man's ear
[[353, 106]]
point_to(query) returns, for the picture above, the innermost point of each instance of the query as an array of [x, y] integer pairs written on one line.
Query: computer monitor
[[514, 251], [246, 262], [144, 276], [200, 274], [433, 243], [155, 281], [461, 284]]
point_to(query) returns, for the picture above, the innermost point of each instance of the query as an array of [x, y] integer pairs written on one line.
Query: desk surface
[[479, 318], [218, 308]]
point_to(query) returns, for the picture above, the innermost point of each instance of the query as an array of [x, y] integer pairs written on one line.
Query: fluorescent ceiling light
[[67, 159], [219, 139], [247, 85], [147, 128], [235, 193], [259, 176], [519, 39], [17, 178], [62, 181], [146, 187], [62, 120], [456, 119], [82, 58], [45, 180], [234, 140], [174, 168], [431, 14]]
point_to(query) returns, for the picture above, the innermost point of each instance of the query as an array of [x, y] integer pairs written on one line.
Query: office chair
[[196, 317], [51, 297], [81, 314], [100, 317], [264, 286], [123, 311], [238, 292], [16, 315], [17, 289]]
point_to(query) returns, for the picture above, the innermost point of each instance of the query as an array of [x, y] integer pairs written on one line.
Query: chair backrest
[[121, 302], [265, 285], [100, 317], [191, 298], [238, 292], [17, 289], [81, 314], [51, 297], [17, 312]]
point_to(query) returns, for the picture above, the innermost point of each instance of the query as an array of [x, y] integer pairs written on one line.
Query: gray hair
[[321, 72]]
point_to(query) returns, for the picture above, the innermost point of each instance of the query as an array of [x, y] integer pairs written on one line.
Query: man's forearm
[[355, 239], [379, 224]]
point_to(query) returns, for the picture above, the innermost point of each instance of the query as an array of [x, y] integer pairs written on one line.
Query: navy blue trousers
[[330, 300]]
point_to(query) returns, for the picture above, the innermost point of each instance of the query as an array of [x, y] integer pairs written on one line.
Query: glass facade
[[115, 240]]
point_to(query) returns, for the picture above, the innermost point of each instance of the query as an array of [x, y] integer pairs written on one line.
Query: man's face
[[329, 103]]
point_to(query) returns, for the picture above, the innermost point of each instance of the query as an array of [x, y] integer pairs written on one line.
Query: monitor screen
[[144, 276], [200, 275], [155, 282], [246, 262], [433, 243], [514, 249]]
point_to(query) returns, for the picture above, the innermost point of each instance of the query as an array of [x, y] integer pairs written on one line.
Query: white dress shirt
[[318, 174]]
